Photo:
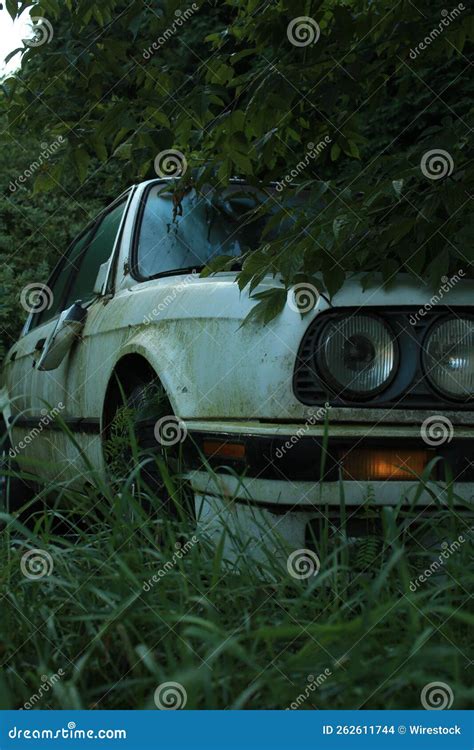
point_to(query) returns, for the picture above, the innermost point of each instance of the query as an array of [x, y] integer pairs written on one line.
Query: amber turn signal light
[[218, 449], [383, 464]]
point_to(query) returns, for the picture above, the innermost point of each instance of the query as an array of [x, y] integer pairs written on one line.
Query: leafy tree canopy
[[365, 105]]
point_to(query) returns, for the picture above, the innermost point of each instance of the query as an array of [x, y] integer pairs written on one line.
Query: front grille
[[409, 389]]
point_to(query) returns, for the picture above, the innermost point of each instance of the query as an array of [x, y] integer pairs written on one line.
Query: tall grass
[[243, 635]]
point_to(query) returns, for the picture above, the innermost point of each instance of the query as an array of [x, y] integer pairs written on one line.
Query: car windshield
[[189, 234]]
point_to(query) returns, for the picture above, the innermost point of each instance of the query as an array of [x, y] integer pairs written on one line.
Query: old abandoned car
[[351, 403]]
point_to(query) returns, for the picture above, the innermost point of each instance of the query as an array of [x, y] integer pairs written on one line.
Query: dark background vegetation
[[236, 98]]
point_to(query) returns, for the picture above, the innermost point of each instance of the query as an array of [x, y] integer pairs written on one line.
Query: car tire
[[145, 404]]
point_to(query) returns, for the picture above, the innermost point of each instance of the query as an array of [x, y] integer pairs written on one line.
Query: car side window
[[96, 252], [60, 279]]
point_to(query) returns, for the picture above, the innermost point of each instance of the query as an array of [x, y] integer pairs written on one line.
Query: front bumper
[[298, 466]]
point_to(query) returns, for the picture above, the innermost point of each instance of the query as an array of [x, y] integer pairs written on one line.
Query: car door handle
[[40, 345]]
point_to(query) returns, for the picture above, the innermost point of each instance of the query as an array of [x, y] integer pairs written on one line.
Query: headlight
[[358, 354], [448, 358]]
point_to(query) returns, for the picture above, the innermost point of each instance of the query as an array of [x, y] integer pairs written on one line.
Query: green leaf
[[219, 263], [12, 54], [398, 229], [335, 151], [271, 303], [333, 279], [339, 224], [12, 8], [398, 186], [242, 162], [98, 145], [438, 268], [81, 161], [44, 182], [352, 149], [124, 151]]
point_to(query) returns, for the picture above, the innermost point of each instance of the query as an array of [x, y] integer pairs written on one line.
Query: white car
[[354, 400]]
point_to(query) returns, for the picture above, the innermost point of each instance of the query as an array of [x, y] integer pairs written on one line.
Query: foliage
[[243, 635], [33, 232], [117, 451], [236, 97]]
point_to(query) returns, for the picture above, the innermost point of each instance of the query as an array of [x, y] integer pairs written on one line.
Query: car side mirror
[[66, 331], [101, 278]]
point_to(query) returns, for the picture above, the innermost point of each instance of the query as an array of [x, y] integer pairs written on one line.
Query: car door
[[35, 393], [80, 374]]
